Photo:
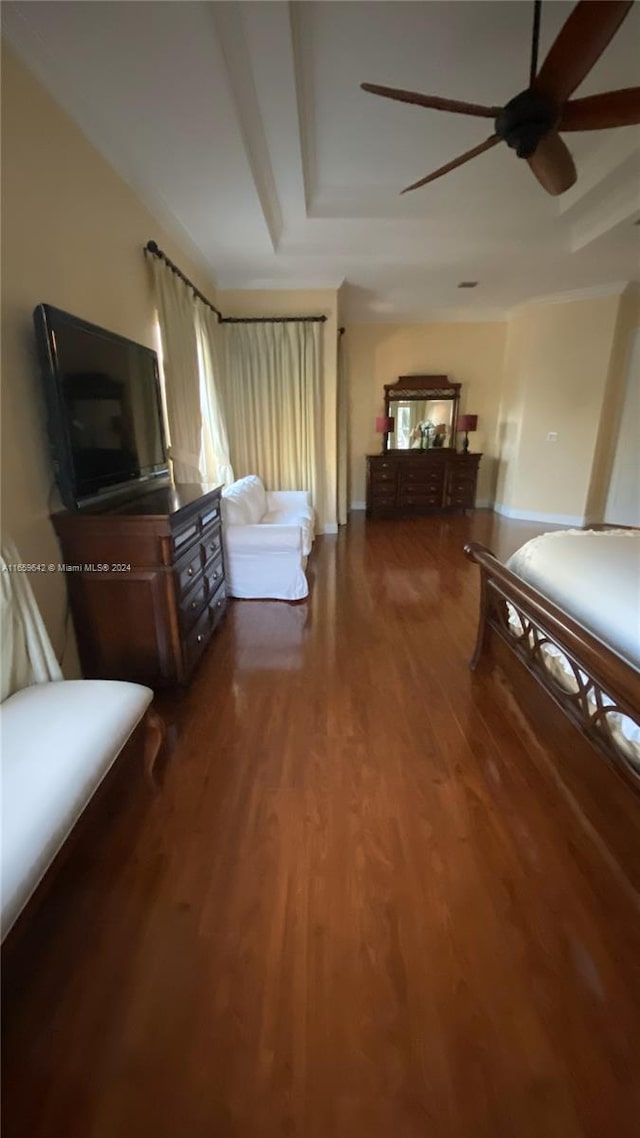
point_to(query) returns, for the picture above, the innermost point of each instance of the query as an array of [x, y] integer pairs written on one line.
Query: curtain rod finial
[[152, 246]]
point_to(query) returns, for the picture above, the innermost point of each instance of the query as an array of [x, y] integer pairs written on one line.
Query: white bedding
[[595, 577]]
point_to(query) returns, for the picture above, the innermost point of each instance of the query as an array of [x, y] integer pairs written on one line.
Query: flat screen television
[[104, 409]]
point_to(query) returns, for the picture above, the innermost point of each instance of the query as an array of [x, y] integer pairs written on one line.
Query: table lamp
[[467, 423], [385, 426]]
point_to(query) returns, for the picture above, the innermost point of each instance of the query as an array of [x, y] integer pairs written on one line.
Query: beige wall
[[303, 302], [73, 233], [610, 425], [470, 354], [556, 370]]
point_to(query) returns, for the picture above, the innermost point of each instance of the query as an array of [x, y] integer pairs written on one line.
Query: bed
[[567, 605]]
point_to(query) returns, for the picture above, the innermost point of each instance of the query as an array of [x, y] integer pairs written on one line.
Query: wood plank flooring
[[362, 903]]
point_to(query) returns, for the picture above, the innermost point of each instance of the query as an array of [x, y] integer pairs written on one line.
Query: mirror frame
[[421, 387]]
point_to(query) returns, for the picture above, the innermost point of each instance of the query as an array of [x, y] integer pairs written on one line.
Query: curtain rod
[[152, 247]]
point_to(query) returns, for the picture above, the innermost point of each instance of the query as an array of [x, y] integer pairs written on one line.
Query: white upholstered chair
[[268, 535]]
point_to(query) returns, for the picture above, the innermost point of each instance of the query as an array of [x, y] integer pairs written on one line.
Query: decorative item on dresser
[[146, 583], [419, 471]]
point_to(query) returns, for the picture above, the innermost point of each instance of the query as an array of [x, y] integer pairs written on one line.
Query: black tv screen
[[104, 407]]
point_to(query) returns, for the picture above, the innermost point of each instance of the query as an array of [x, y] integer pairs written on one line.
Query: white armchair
[[267, 536]]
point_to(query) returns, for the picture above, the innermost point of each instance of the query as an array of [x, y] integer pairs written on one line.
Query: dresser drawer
[[184, 537], [422, 488], [217, 605], [420, 499], [382, 497], [210, 514], [462, 486], [189, 570], [192, 603], [214, 575], [463, 468], [422, 477], [382, 476], [212, 543], [462, 499], [196, 641]]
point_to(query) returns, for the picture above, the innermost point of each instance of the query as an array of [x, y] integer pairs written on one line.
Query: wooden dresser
[[146, 583], [420, 482]]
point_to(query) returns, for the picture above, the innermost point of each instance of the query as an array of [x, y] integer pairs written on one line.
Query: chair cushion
[[244, 503], [58, 741], [302, 516]]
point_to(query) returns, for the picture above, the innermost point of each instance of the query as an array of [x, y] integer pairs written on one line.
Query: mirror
[[424, 409], [421, 424]]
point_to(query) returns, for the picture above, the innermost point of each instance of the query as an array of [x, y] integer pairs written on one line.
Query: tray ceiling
[[243, 127]]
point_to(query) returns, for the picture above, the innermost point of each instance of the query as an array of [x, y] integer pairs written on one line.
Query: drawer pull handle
[[200, 637], [216, 575], [194, 604], [219, 605], [213, 546], [190, 571]]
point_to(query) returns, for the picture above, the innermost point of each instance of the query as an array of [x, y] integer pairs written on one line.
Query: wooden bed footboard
[[599, 687]]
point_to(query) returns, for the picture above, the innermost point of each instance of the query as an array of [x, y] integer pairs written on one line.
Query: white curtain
[[272, 394], [215, 461], [27, 656], [182, 383], [343, 437]]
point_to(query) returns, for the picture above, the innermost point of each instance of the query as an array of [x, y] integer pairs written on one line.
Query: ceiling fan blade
[[579, 44], [431, 101], [612, 108], [553, 165], [486, 145]]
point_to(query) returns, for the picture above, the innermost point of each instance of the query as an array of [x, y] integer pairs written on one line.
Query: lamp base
[[465, 444]]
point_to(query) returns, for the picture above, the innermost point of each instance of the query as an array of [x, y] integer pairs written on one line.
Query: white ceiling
[[243, 126]]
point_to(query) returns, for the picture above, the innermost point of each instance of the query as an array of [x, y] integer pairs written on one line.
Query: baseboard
[[329, 527], [358, 506], [535, 516]]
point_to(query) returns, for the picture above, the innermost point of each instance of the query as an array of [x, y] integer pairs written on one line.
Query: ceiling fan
[[530, 123]]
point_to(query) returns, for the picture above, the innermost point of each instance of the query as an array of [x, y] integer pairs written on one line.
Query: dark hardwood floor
[[361, 902]]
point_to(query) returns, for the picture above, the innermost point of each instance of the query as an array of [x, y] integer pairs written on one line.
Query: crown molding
[[436, 316], [278, 284], [616, 288]]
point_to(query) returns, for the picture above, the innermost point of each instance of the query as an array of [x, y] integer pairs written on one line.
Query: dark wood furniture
[[600, 674], [420, 482], [146, 583]]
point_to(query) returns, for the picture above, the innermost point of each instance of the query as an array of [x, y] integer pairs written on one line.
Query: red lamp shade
[[467, 422], [385, 425]]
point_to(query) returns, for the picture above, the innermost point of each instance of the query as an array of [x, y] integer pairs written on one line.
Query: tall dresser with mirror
[[419, 470]]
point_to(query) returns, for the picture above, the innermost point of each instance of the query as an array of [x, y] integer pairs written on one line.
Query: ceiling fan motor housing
[[525, 120]]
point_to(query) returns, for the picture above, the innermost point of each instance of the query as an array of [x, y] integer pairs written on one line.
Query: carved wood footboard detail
[[596, 689]]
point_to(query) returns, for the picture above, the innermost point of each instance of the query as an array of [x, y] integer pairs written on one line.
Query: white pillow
[[244, 503], [256, 497]]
